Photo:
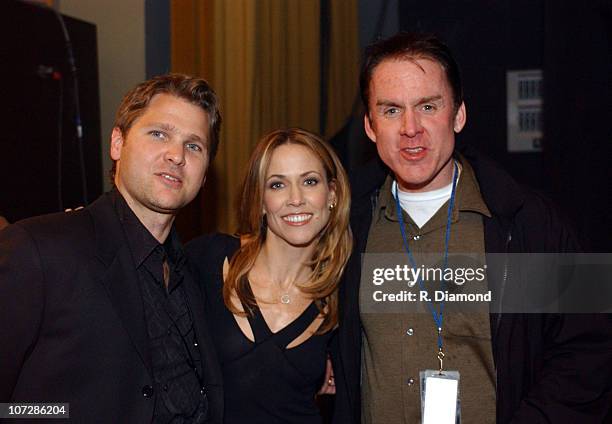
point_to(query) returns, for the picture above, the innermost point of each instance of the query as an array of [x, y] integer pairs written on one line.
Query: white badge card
[[440, 397]]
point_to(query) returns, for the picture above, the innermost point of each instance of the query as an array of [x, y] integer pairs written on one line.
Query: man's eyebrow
[[195, 137], [164, 126], [429, 99], [387, 103]]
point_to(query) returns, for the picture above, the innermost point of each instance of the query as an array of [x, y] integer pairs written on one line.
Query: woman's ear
[[332, 197]]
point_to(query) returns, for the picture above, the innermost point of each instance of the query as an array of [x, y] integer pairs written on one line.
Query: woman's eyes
[[310, 181]]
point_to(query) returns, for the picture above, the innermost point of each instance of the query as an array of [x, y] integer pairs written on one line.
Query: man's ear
[[116, 143], [367, 124], [460, 118]]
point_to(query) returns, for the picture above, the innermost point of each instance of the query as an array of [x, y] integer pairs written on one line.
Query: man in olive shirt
[[513, 367]]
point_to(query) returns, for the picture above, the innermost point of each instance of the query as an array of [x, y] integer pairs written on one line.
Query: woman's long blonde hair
[[333, 246]]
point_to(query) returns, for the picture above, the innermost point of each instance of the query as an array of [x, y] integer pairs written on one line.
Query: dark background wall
[[578, 118], [40, 168], [157, 37]]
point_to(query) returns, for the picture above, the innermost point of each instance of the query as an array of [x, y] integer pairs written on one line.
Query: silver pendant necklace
[[285, 298]]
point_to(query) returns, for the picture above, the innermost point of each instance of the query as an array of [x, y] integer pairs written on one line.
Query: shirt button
[[169, 332], [410, 381], [147, 391], [410, 331], [165, 387], [195, 344], [416, 238]]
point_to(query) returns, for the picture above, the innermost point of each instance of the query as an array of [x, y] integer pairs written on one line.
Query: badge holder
[[440, 402]]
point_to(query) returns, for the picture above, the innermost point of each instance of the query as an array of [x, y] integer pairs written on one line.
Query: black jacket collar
[[502, 194]]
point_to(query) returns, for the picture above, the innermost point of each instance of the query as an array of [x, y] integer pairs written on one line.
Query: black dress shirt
[[175, 358]]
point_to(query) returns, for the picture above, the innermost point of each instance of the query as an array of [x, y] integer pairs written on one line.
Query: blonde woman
[[272, 293]]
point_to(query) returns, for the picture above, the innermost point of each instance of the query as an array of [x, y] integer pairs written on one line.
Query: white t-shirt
[[422, 206]]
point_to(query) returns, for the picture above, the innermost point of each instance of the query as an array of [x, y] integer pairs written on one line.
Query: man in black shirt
[[97, 309]]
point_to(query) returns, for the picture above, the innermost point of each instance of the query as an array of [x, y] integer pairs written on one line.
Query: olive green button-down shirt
[[397, 346]]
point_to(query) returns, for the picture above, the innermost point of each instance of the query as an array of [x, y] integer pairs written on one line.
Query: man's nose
[[175, 153], [411, 124]]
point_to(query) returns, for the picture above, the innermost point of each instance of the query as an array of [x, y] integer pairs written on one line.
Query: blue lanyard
[[437, 316]]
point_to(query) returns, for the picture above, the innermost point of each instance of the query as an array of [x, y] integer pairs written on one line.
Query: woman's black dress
[[263, 381]]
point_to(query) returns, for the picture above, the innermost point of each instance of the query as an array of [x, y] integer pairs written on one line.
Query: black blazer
[[72, 325]]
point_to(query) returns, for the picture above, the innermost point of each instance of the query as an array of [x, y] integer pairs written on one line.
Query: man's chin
[[413, 183], [167, 207], [170, 202], [424, 181]]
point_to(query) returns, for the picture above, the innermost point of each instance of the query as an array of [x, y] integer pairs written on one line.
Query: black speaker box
[[41, 169]]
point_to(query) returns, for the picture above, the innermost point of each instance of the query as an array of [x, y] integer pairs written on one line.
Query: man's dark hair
[[410, 46], [192, 89]]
